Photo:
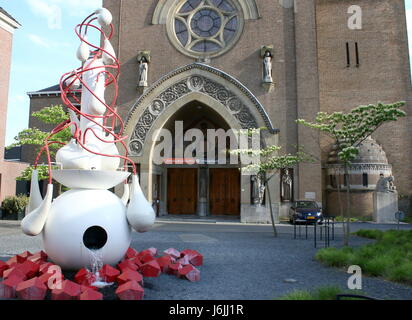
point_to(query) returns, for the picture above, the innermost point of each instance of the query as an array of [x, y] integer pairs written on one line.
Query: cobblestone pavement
[[241, 262]]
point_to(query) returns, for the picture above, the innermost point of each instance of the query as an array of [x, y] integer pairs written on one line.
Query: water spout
[[96, 259]]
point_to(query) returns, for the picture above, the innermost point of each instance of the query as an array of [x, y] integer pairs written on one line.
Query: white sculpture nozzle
[[35, 195], [140, 213], [33, 223]]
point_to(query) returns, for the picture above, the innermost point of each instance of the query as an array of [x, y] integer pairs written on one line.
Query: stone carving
[[136, 147], [386, 185], [195, 83], [359, 168], [287, 186], [157, 107], [385, 200], [258, 189], [143, 71], [267, 68]]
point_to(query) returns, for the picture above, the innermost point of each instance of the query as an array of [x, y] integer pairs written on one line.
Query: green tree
[[52, 115], [270, 163], [349, 130]]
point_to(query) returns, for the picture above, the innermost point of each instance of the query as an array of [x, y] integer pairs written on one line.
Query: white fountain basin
[[89, 179]]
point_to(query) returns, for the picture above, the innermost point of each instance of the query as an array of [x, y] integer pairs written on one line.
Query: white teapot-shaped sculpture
[[88, 217]]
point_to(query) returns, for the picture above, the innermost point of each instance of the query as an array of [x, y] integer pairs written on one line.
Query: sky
[[44, 48]]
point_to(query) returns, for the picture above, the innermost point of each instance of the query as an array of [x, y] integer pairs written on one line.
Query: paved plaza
[[241, 262]]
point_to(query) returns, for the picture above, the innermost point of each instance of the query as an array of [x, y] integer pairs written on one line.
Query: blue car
[[305, 211]]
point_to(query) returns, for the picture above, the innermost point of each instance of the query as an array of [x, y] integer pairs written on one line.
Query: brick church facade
[[206, 68], [9, 169]]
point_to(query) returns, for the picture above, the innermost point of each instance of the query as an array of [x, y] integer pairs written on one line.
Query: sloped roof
[[50, 89], [8, 15]]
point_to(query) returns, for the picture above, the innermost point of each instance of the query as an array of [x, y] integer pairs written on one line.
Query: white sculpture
[[88, 218], [143, 71], [267, 68]]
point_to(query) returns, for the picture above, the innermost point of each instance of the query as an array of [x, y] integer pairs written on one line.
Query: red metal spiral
[[69, 94]]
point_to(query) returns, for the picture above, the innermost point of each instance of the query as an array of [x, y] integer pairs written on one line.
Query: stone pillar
[[252, 213], [385, 206], [202, 204]]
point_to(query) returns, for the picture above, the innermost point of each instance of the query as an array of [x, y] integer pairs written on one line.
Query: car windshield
[[306, 204]]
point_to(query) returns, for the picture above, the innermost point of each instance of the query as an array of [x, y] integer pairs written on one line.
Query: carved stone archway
[[204, 81]]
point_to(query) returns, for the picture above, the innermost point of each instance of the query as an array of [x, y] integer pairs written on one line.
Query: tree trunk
[[348, 207], [342, 213], [270, 208]]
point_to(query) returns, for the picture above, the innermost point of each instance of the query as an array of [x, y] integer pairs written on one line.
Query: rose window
[[205, 28]]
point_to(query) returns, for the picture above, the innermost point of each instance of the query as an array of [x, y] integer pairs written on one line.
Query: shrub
[[401, 273], [322, 293], [390, 256], [333, 257], [14, 204], [370, 234], [298, 295], [327, 293], [378, 265]]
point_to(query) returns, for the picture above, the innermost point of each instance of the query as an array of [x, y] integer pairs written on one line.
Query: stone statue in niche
[[258, 190], [143, 71], [287, 185], [267, 67], [386, 184]]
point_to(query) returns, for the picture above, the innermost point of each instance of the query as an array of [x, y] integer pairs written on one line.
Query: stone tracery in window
[[205, 28]]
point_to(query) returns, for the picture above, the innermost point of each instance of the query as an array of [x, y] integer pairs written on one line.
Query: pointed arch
[[230, 97]]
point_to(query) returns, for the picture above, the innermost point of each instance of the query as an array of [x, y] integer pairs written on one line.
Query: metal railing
[[326, 230]]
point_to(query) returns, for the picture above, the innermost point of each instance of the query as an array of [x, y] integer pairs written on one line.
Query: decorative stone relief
[[191, 84], [356, 168]]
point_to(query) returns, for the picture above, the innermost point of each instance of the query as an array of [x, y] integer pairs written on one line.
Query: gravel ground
[[241, 262]]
